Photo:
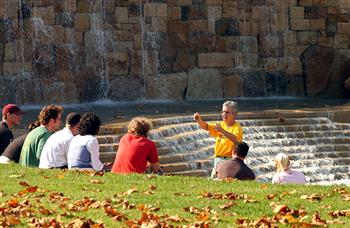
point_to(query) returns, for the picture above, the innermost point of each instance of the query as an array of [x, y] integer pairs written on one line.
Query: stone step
[[111, 129], [108, 139], [175, 129], [108, 147], [183, 138], [296, 134], [181, 148], [241, 116], [188, 156], [290, 150], [107, 156], [295, 142]]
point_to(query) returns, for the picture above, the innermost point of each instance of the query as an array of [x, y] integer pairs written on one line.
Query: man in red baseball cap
[[11, 116]]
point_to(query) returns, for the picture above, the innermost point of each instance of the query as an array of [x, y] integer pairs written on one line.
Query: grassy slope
[[76, 186]]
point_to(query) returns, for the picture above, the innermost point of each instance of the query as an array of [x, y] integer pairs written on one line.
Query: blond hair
[[139, 126], [282, 162]]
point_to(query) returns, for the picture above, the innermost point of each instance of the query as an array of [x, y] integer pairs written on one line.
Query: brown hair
[[49, 112], [139, 126]]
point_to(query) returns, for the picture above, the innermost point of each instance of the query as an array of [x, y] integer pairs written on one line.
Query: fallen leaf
[[23, 183], [152, 187], [60, 176], [263, 186], [16, 176], [96, 181], [338, 213], [270, 196], [312, 197], [130, 191], [225, 206], [181, 194], [316, 220]]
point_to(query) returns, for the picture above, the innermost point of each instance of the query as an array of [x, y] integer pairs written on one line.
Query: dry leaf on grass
[[94, 181]]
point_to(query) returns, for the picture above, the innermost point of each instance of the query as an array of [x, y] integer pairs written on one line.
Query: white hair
[[231, 104]]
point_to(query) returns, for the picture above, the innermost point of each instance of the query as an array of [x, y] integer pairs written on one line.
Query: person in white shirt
[[55, 150], [284, 174], [84, 148]]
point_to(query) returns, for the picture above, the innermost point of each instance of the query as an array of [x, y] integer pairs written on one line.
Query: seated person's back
[[235, 167], [83, 150], [135, 149], [284, 174]]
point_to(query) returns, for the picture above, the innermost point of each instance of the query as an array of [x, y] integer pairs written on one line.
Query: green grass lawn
[[56, 198]]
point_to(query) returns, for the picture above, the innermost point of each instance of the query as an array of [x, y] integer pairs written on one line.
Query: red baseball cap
[[11, 108]]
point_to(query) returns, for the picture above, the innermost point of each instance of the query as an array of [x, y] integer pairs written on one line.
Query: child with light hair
[[284, 174]]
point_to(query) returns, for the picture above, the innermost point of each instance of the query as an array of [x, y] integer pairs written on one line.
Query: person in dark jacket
[[13, 150], [11, 116], [235, 167]]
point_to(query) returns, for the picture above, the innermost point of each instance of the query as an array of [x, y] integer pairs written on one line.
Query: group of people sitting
[[76, 146]]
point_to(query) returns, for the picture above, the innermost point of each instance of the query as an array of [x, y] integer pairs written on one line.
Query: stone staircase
[[318, 147]]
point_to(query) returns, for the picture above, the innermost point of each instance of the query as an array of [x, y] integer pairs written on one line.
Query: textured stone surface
[[325, 71], [47, 43], [204, 84]]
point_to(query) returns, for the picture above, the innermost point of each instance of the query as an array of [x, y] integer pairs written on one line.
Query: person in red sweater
[[135, 149]]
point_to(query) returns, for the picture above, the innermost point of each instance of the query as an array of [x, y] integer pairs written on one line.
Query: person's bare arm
[[202, 124], [154, 167], [230, 136]]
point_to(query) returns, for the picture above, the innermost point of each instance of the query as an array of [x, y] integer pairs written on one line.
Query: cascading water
[[317, 146], [97, 46]]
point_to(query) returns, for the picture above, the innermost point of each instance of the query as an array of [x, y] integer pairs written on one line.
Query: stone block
[[343, 27], [279, 22], [82, 21], [305, 2], [317, 24], [332, 10], [292, 65], [178, 26], [325, 41], [214, 12], [184, 2], [207, 60], [232, 86], [296, 12], [214, 2], [271, 44], [229, 10], [250, 59], [121, 14], [174, 13], [9, 9], [290, 38], [131, 88], [184, 61], [46, 13], [344, 4], [70, 6], [172, 3], [260, 13], [204, 84], [198, 26], [341, 41], [307, 37], [155, 10], [84, 6], [118, 63], [300, 24], [197, 12], [173, 86], [226, 27], [248, 44], [158, 24], [10, 52]]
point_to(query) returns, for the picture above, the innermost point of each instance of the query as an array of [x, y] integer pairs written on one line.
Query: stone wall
[[74, 51]]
